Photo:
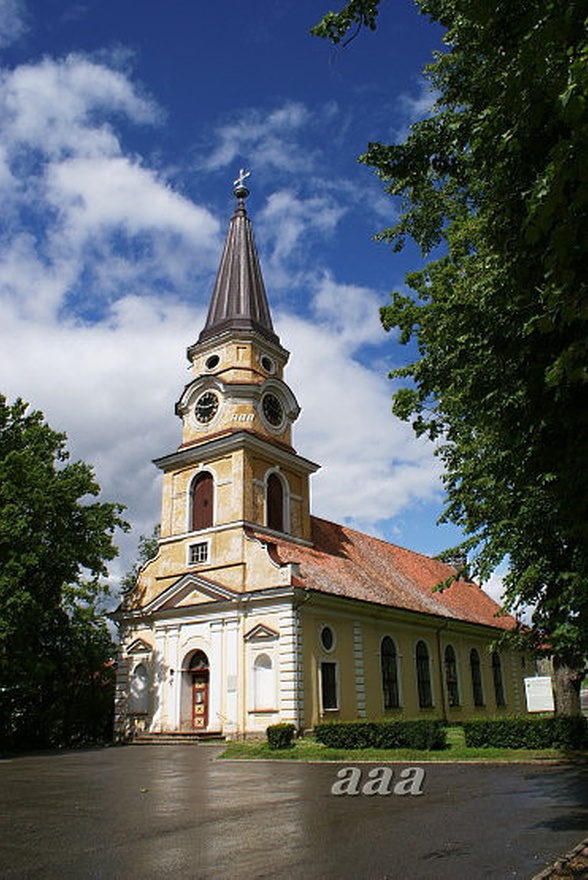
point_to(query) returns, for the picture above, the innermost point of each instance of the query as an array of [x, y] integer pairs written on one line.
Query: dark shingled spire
[[239, 301]]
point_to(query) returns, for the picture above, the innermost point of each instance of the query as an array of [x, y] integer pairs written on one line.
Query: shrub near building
[[280, 736], [560, 732], [427, 734]]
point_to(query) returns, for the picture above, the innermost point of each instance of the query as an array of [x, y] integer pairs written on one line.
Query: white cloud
[[419, 106], [96, 252], [348, 310], [51, 106], [494, 586], [86, 222], [108, 192], [414, 107], [12, 21], [373, 465], [111, 386], [97, 258], [269, 139], [287, 224]]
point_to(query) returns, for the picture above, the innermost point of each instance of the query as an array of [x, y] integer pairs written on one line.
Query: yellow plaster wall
[[236, 562], [405, 635], [239, 360], [239, 364], [240, 480], [233, 415], [138, 632]]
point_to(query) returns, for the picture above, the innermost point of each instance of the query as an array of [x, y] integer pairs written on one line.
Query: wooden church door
[[200, 690]]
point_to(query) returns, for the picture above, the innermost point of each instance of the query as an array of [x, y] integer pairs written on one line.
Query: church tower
[[235, 468]]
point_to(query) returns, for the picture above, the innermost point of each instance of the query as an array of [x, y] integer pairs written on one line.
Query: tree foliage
[[493, 188], [55, 542], [335, 26], [148, 549]]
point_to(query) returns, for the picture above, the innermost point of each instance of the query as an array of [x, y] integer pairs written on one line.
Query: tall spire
[[239, 300]]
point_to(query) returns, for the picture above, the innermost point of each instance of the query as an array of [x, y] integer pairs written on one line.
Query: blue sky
[[122, 127]]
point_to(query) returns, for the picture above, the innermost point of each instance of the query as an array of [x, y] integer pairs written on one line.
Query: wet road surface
[[162, 811]]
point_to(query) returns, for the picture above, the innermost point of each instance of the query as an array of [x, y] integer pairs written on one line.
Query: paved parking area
[[162, 811]]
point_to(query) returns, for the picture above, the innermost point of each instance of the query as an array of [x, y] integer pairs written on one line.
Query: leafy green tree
[[55, 542], [148, 549], [493, 188]]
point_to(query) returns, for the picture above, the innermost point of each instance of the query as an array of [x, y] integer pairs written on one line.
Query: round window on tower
[[268, 365], [272, 410], [206, 407], [212, 362]]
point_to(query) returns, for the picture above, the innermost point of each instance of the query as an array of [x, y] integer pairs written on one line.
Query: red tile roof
[[344, 562]]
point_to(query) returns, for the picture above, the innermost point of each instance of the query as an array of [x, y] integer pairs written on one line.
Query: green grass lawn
[[307, 749]]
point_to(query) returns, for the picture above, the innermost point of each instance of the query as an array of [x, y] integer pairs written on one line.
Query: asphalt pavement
[[162, 811]]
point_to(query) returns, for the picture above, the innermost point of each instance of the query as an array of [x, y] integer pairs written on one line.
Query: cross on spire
[[239, 188], [243, 175]]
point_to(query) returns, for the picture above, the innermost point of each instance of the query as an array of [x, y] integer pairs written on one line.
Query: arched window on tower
[[275, 503], [202, 502]]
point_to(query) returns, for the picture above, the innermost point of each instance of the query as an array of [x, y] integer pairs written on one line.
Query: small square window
[[198, 553]]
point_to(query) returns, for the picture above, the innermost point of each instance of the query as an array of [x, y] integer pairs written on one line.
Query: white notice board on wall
[[539, 694]]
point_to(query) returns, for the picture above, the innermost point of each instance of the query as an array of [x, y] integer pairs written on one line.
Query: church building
[[254, 611]]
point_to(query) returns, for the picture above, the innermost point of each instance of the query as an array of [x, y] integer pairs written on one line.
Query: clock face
[[272, 409], [206, 407]]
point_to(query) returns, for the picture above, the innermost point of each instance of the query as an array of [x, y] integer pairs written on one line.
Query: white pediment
[[190, 590], [261, 633], [139, 647]]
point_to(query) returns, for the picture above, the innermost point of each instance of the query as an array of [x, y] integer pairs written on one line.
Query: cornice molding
[[228, 443]]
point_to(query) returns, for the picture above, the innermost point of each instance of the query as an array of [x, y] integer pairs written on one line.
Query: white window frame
[[202, 549]]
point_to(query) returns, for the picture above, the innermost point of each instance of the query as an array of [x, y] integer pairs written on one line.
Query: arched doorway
[[199, 672]]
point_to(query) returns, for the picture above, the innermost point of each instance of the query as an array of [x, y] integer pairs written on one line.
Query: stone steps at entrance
[[175, 738]]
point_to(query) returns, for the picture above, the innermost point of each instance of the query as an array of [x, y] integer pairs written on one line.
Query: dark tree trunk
[[567, 680]]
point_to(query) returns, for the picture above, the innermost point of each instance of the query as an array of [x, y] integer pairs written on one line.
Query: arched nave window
[[202, 502], [423, 671], [389, 669], [497, 678], [451, 676], [476, 675]]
